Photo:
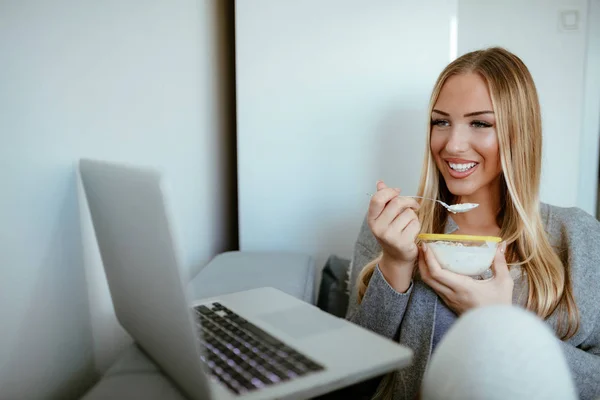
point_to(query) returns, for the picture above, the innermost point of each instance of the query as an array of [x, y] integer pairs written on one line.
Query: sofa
[[134, 375]]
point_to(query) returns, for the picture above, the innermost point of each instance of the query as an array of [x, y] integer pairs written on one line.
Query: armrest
[[240, 270]]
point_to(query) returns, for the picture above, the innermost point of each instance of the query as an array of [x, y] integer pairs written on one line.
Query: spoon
[[454, 208]]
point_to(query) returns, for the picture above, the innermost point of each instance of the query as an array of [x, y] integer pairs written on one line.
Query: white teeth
[[462, 167]]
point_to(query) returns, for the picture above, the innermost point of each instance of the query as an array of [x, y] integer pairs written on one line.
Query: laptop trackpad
[[302, 321]]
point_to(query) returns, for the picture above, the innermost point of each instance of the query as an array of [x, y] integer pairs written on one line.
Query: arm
[[585, 365], [576, 234], [382, 307], [381, 310]]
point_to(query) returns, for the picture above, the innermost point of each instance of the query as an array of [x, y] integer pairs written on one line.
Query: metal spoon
[[454, 208]]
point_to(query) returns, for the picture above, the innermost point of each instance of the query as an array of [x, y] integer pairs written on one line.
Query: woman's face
[[463, 136]]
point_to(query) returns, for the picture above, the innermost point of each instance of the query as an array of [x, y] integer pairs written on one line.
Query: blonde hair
[[519, 129]]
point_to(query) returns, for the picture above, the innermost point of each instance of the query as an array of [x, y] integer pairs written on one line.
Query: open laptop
[[256, 344]]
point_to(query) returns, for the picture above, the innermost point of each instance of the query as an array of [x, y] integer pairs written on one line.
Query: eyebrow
[[471, 114]]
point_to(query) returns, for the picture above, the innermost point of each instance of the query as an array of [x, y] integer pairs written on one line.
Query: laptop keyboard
[[244, 357]]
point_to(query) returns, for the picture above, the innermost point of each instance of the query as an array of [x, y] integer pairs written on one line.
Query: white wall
[[557, 61], [332, 96], [590, 143], [137, 81]]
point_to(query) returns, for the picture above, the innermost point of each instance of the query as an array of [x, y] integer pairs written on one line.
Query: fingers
[[380, 199], [438, 274], [402, 221], [412, 229], [499, 265], [439, 288], [393, 221], [385, 195], [381, 185], [396, 206]]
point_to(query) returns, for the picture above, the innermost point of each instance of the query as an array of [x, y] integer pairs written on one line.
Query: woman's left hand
[[461, 293]]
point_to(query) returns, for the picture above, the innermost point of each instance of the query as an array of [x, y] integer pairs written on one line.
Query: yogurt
[[464, 259], [462, 207]]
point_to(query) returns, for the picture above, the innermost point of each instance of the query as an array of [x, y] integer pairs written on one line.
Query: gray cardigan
[[410, 318]]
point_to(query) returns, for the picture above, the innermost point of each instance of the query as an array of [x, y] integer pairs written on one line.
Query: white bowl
[[462, 254]]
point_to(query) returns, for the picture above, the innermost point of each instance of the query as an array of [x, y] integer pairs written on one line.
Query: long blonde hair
[[519, 129]]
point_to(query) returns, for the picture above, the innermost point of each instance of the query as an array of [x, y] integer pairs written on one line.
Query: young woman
[[484, 146]]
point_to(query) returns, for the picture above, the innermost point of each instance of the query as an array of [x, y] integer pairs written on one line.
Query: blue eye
[[440, 122], [481, 124]]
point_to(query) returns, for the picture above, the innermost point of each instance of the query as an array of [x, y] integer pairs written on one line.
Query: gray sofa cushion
[[236, 271]]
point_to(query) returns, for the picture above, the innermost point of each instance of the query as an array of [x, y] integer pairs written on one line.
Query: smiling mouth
[[462, 167]]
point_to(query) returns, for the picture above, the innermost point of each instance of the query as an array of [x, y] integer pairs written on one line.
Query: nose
[[458, 142]]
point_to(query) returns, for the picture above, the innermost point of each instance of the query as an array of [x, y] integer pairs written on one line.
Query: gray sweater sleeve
[[579, 235], [585, 367], [382, 307]]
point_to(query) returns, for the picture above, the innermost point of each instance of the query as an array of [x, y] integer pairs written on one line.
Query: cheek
[[488, 148], [437, 144]]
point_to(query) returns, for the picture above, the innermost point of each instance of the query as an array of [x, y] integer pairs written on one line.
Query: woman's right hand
[[395, 225]]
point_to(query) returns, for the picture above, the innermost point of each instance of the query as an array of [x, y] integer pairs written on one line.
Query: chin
[[461, 188]]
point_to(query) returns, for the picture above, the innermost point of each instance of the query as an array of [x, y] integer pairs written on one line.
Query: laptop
[[256, 344]]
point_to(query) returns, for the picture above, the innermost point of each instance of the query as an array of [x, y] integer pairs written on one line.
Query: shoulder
[[570, 226], [568, 216], [572, 230], [575, 235]]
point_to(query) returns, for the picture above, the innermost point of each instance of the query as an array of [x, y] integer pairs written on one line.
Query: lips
[[459, 168]]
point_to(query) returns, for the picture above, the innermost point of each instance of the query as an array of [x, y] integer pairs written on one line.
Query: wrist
[[398, 273], [391, 262]]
